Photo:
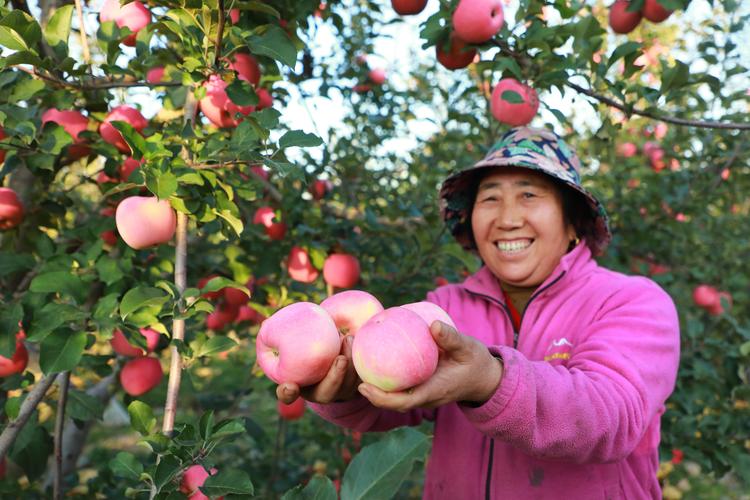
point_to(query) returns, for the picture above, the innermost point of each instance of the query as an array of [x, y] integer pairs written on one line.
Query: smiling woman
[[556, 383]]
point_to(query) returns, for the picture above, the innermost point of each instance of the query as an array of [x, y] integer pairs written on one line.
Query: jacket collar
[[573, 264]]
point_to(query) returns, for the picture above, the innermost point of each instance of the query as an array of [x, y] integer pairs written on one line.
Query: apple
[[134, 16], [341, 270], [299, 266], [627, 149], [126, 114], [476, 21], [235, 296], [217, 106], [140, 375], [247, 313], [143, 221], [109, 237], [209, 295], [654, 12], [222, 315], [320, 188], [246, 67], [17, 363], [395, 350], [459, 56], [660, 130], [3, 135], [292, 411], [192, 479], [441, 281], [513, 114], [351, 309], [361, 88], [361, 59], [128, 167], [264, 99], [717, 309], [298, 344], [11, 209], [377, 76], [73, 122], [620, 20], [408, 7], [234, 15], [705, 296], [656, 159], [260, 171], [429, 312], [265, 216], [155, 74], [122, 347]]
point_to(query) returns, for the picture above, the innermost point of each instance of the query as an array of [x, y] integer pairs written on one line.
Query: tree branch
[[59, 427], [220, 33], [27, 409], [82, 32], [94, 83]]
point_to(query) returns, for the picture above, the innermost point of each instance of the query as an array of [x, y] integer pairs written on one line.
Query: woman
[[555, 386]]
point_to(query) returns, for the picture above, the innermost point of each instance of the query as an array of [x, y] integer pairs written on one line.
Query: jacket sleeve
[[598, 408], [362, 416]]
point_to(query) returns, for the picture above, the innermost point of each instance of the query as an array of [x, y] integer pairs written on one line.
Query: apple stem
[[329, 289], [62, 400], [82, 32]]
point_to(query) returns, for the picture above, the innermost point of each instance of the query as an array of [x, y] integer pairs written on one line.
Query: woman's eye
[[529, 195]]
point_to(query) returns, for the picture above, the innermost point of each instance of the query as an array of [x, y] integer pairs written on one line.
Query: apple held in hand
[[134, 16], [73, 122], [17, 363], [11, 209], [504, 107], [459, 56], [620, 20], [351, 309], [123, 347], [300, 267], [292, 411], [341, 270], [654, 12], [193, 479], [476, 21], [143, 221], [408, 7], [298, 344], [430, 312], [124, 114], [140, 375], [395, 350]]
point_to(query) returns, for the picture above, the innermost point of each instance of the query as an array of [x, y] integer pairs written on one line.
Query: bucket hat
[[537, 149]]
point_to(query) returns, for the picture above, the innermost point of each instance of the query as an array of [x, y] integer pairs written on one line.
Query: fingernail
[[341, 363]]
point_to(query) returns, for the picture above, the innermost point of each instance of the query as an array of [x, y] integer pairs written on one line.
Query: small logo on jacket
[[559, 349]]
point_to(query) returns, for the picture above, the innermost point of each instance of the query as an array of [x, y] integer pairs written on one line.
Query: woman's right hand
[[339, 384]]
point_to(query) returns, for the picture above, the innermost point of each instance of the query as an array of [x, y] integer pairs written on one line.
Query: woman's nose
[[510, 216]]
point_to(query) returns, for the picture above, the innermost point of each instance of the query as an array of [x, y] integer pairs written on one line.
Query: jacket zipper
[[488, 482]]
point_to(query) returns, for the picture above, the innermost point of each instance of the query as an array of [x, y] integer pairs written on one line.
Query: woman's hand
[[466, 371], [339, 384]]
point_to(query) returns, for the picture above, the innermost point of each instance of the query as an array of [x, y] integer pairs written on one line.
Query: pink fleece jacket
[[576, 414]]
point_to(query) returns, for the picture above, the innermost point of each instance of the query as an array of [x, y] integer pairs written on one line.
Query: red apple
[[74, 123], [297, 344], [320, 188], [126, 114], [222, 315], [143, 221], [209, 295], [247, 313], [660, 130], [217, 106], [266, 217], [476, 21], [109, 237], [351, 309], [395, 350], [193, 479], [656, 159], [717, 309], [654, 12], [17, 363], [705, 296], [140, 375], [134, 16], [429, 312], [235, 296], [300, 267], [459, 56], [246, 66], [341, 270], [128, 167], [234, 15], [622, 21], [292, 411], [377, 76], [264, 99], [11, 209], [441, 281], [361, 88], [408, 7], [260, 171], [627, 149], [514, 114], [122, 347], [3, 135], [155, 74]]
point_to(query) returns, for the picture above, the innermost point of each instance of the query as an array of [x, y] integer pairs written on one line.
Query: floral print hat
[[537, 149]]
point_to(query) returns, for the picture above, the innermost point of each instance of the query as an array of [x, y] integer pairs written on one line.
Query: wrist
[[492, 376]]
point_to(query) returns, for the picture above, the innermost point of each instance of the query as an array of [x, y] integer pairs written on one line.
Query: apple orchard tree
[[138, 256]]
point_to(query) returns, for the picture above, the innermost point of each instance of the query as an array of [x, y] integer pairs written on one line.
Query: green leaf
[[61, 282], [52, 316], [512, 97], [54, 138], [261, 7], [14, 262], [623, 50], [162, 184], [142, 297], [299, 138], [24, 25], [674, 77], [12, 40], [83, 406], [134, 139], [57, 31], [109, 269], [227, 428], [276, 44], [167, 469], [234, 222], [206, 424], [141, 417], [380, 468], [127, 466], [61, 350], [318, 488], [215, 345], [9, 318], [242, 93], [228, 482]]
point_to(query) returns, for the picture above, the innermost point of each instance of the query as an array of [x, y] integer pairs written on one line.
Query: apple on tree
[[654, 12], [192, 479], [293, 411], [477, 21], [459, 56], [320, 188], [234, 15], [505, 104], [134, 16], [73, 122], [341, 270], [265, 216], [265, 100], [351, 309], [126, 114], [222, 315], [621, 20], [246, 67], [11, 209], [140, 375], [123, 347], [377, 76], [143, 221], [17, 363], [300, 267], [408, 7], [155, 74], [627, 149], [216, 105]]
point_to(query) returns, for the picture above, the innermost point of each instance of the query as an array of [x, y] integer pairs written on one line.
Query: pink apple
[[395, 350], [134, 16], [17, 363], [300, 267], [429, 312], [408, 7], [660, 130], [155, 74], [122, 347], [351, 309], [514, 114], [654, 12], [264, 99], [656, 159], [140, 375], [73, 122], [193, 479], [627, 149], [260, 171], [125, 114], [705, 296], [246, 66], [143, 221], [476, 21], [292, 411], [320, 188], [620, 20], [377, 76], [459, 56], [266, 217], [341, 270], [11, 209], [217, 106], [298, 344], [234, 15], [361, 88]]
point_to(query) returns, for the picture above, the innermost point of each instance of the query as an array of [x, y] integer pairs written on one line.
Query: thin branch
[[220, 33], [82, 32], [27, 409], [94, 83], [59, 427]]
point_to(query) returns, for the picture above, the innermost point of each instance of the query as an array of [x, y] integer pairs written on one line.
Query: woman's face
[[518, 225]]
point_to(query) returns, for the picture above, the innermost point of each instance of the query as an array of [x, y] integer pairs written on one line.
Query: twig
[[219, 33], [27, 409], [82, 32], [95, 83], [59, 426]]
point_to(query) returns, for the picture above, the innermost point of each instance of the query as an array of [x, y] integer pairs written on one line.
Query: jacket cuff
[[494, 406]]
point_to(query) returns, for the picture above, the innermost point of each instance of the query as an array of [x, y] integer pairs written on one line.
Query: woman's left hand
[[466, 372]]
